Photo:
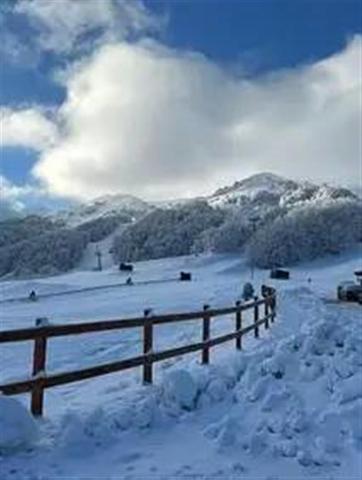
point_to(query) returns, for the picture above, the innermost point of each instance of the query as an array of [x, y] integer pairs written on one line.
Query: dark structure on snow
[[185, 276], [279, 274], [33, 296], [125, 267]]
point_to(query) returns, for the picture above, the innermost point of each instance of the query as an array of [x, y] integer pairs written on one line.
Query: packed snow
[[289, 406]]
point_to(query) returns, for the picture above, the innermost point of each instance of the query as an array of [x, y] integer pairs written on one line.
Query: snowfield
[[289, 406]]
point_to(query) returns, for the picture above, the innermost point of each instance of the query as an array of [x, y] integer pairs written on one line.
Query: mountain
[[126, 228], [258, 192], [106, 206], [251, 187], [265, 190]]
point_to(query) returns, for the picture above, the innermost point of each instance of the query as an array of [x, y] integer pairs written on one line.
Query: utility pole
[[99, 259], [253, 220]]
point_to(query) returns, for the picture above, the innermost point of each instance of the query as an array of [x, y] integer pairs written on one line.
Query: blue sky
[[226, 45]]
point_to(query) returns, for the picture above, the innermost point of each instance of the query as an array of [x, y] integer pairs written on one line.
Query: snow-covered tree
[[307, 232], [168, 232]]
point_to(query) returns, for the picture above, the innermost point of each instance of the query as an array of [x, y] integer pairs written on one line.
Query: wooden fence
[[40, 380]]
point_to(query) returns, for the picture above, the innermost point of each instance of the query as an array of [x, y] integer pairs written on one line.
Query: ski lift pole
[[253, 220]]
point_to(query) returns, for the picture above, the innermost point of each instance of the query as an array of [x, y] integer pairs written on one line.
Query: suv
[[350, 292]]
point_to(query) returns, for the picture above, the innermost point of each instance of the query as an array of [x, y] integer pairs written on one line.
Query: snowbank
[[299, 397], [17, 427], [290, 402], [296, 396]]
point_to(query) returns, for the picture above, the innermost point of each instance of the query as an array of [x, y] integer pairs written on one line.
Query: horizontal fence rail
[[40, 380]]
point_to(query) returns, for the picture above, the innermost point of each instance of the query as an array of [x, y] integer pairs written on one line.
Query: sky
[[175, 98]]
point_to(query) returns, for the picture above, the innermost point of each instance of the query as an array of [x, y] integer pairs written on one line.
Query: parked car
[[349, 292]]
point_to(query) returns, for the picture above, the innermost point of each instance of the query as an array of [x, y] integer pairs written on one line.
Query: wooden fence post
[[273, 306], [256, 318], [39, 360], [147, 347], [238, 325], [266, 312], [205, 335]]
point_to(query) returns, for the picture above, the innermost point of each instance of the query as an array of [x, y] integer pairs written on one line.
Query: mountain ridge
[[262, 187], [135, 230]]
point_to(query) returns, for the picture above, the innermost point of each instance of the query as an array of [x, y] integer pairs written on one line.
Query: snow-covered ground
[[288, 407]]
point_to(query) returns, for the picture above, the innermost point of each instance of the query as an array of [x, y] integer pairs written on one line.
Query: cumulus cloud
[[65, 26], [29, 128], [11, 198], [151, 121]]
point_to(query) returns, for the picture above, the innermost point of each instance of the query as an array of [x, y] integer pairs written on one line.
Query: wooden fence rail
[[40, 335]]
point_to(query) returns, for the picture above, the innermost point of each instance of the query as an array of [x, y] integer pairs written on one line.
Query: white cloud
[[147, 120], [12, 191], [29, 128], [10, 198], [65, 26]]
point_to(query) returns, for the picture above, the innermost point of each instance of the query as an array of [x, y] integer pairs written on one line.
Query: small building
[[125, 267], [185, 276], [279, 274]]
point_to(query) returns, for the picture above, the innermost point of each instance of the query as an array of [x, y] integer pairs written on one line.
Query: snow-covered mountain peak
[[106, 205], [252, 186], [120, 201], [270, 189], [255, 194]]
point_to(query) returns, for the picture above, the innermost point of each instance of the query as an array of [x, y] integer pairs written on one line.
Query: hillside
[[108, 205], [329, 217], [265, 190], [136, 230]]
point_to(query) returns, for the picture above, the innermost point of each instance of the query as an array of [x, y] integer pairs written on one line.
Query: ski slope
[[288, 407]]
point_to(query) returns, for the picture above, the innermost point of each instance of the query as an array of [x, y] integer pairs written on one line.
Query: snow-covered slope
[[103, 206], [85, 224], [289, 406], [264, 190], [267, 189], [252, 186]]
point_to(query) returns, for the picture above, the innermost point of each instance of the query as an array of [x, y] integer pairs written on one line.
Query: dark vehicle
[[350, 292], [279, 274], [185, 276], [126, 267]]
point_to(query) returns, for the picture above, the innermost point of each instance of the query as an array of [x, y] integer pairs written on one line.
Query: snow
[[289, 406], [17, 427], [263, 187], [89, 261], [252, 186], [101, 207], [180, 390]]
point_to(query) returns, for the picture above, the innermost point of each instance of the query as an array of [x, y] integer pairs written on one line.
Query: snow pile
[[297, 395], [300, 397], [17, 428], [179, 390], [105, 424]]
